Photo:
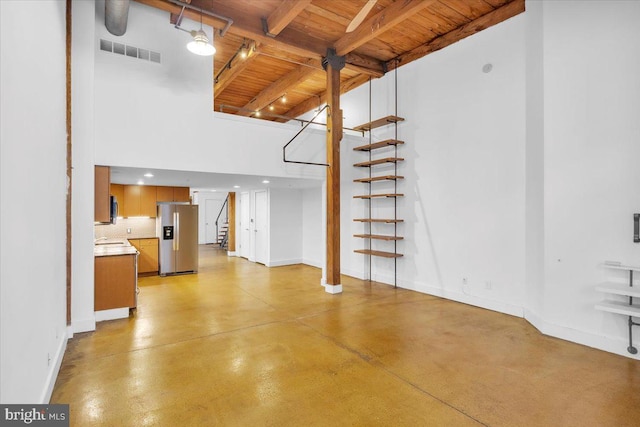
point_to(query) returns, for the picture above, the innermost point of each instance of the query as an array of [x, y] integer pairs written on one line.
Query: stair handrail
[[220, 213], [284, 149]]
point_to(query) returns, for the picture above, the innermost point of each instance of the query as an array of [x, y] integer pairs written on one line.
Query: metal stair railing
[[222, 209]]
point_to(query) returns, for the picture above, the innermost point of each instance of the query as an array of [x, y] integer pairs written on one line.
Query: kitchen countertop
[[113, 247]]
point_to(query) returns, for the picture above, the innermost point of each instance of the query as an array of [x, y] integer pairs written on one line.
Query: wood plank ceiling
[[279, 72]]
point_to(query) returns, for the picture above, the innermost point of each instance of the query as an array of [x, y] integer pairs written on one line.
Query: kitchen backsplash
[[140, 228]]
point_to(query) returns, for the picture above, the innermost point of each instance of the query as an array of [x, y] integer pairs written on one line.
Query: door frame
[[254, 208]]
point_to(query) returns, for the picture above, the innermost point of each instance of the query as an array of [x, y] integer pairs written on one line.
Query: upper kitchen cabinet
[[172, 194], [139, 200], [102, 208]]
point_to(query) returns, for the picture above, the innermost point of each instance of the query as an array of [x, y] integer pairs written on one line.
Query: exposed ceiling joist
[[315, 101], [396, 33], [492, 18], [280, 87], [288, 40], [380, 23], [235, 69], [283, 15]]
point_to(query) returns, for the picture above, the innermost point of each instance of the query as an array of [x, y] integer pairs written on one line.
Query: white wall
[[33, 157], [285, 227], [82, 210], [591, 148], [312, 243], [160, 115], [464, 171]]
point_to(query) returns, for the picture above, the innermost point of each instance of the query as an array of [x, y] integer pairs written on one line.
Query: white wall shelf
[[619, 307], [619, 289], [622, 307]]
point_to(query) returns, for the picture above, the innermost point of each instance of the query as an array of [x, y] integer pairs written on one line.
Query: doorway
[[260, 227], [245, 225]]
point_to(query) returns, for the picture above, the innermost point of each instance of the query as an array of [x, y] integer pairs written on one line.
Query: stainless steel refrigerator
[[178, 232]]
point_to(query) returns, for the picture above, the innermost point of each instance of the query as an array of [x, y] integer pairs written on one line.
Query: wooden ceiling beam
[[278, 88], [283, 15], [237, 66], [314, 101], [379, 23], [289, 41], [492, 18]]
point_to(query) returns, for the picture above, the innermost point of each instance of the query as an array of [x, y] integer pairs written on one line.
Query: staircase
[[223, 235], [222, 225]]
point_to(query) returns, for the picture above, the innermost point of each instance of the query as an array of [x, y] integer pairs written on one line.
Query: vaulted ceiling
[[270, 58]]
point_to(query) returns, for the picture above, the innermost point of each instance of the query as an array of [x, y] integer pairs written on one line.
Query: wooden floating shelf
[[381, 144], [378, 237], [388, 221], [379, 178], [378, 253], [619, 307], [379, 162], [619, 289], [371, 196], [379, 123]]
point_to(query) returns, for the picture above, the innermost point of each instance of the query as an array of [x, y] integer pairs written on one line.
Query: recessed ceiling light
[[140, 182], [236, 186], [265, 181], [148, 175]]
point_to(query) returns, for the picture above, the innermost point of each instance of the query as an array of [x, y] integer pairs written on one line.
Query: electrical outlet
[[128, 231]]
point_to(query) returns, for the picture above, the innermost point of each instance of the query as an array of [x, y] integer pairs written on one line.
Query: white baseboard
[[323, 281], [234, 253], [616, 345], [353, 273], [477, 301], [283, 262], [55, 369], [84, 325], [312, 263], [114, 313]]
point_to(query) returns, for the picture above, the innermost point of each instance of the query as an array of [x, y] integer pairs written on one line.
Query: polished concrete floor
[[240, 344]]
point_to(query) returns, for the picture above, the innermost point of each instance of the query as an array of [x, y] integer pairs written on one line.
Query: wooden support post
[[231, 218], [334, 136]]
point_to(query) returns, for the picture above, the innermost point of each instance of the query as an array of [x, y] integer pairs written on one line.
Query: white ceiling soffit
[[204, 181]]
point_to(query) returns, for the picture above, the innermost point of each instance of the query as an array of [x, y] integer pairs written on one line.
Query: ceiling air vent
[[130, 51]]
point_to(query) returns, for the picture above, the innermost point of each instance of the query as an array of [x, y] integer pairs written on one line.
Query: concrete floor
[[243, 345]]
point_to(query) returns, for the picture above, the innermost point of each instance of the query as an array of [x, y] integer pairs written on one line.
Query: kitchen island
[[115, 278]]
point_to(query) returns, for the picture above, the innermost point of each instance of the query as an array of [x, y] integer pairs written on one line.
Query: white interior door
[[245, 225], [260, 227], [212, 209]]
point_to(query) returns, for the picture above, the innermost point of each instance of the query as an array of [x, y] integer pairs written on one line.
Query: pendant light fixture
[[200, 44]]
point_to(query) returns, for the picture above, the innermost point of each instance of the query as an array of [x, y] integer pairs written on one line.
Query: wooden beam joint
[[335, 61]]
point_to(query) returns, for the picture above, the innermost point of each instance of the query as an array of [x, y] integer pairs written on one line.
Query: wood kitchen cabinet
[[139, 200], [172, 194], [148, 258], [115, 282], [102, 199]]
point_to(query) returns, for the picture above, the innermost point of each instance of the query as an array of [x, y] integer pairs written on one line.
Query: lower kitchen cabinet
[[148, 258], [115, 282]]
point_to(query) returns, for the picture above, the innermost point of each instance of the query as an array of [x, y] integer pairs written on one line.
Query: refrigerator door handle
[[177, 239]]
